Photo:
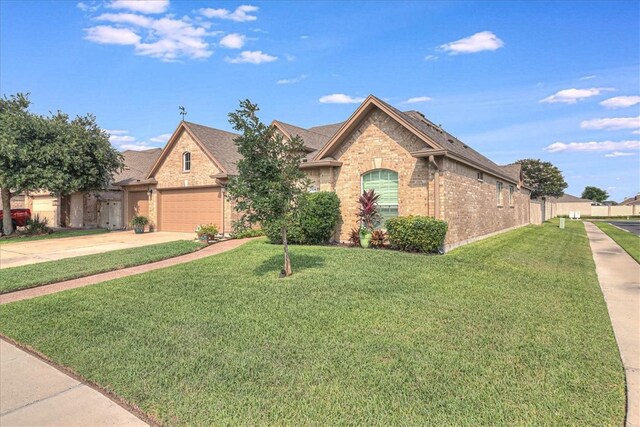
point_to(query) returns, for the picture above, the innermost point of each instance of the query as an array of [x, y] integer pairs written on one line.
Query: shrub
[[354, 236], [416, 233], [378, 238], [36, 226], [207, 232], [251, 232], [315, 219]]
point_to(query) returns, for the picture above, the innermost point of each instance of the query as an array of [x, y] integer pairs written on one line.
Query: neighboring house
[[631, 201], [91, 209], [416, 167], [561, 206]]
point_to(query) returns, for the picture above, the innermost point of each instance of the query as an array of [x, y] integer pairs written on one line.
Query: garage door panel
[[184, 209]]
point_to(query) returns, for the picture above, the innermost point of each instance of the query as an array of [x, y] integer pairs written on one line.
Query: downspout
[[222, 191], [436, 185]]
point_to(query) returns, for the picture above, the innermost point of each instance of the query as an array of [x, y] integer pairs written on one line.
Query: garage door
[[183, 210], [45, 207], [138, 204]]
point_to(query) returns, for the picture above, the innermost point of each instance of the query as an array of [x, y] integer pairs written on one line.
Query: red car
[[19, 217]]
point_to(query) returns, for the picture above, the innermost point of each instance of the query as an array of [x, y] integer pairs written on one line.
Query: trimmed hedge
[[416, 233], [314, 223]]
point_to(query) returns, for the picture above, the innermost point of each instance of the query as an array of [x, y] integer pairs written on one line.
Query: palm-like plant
[[368, 212]]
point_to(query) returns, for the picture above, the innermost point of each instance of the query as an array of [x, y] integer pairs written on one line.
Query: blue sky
[[552, 80]]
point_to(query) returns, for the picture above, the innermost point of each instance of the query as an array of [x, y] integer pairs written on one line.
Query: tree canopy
[[595, 194], [51, 153], [543, 178], [269, 183]]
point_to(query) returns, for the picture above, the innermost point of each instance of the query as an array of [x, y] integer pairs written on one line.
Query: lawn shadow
[[298, 262]]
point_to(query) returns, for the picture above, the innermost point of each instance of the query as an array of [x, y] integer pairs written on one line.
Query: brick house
[[416, 166]]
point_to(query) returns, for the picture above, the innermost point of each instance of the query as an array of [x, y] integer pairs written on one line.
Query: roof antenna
[[183, 112]]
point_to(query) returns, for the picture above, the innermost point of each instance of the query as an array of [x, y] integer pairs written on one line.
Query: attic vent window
[[480, 176], [451, 141], [186, 161]]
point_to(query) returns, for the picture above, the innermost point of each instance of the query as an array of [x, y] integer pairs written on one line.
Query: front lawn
[[19, 238], [627, 241], [511, 330], [29, 276]]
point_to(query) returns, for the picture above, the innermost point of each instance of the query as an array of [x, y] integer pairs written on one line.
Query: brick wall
[[470, 206], [380, 142], [170, 172]]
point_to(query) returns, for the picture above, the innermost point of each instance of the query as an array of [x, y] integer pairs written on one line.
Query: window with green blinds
[[385, 183]]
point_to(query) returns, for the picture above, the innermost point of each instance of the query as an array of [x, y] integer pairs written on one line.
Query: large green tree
[[595, 194], [543, 178], [50, 153], [269, 184]]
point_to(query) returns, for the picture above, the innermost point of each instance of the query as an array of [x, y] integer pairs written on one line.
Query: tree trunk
[[286, 271], [7, 226]]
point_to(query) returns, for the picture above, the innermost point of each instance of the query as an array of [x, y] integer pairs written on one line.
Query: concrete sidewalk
[[619, 277], [33, 393], [102, 277]]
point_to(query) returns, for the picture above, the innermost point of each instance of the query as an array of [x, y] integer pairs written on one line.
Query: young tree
[[269, 183], [595, 194], [51, 153], [544, 178]]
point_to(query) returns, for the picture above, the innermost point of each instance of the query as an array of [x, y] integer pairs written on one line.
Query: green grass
[[18, 238], [29, 276], [627, 241], [512, 330]]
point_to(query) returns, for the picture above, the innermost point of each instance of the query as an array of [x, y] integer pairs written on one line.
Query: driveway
[[630, 226], [16, 254]]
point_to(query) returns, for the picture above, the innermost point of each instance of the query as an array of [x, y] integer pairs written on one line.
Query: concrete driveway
[[16, 254]]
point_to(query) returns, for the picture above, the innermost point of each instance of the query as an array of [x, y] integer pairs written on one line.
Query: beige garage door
[[183, 210], [138, 204], [45, 207]]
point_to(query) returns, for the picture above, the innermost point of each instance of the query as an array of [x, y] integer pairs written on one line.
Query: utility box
[[562, 222]]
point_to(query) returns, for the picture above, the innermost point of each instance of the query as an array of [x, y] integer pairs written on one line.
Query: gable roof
[[568, 198], [437, 139], [217, 144], [314, 138], [633, 200], [136, 165]]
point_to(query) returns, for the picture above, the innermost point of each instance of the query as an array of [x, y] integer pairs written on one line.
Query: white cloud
[[304, 37], [478, 42], [165, 38], [121, 139], [140, 146], [416, 100], [619, 154], [87, 7], [142, 6], [340, 98], [241, 14], [252, 57], [431, 58], [233, 41], [615, 123], [592, 146], [588, 77], [620, 102], [116, 132], [289, 57], [161, 138], [105, 34], [571, 96], [294, 80]]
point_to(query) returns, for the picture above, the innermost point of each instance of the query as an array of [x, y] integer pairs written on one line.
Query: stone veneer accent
[[379, 142], [170, 174]]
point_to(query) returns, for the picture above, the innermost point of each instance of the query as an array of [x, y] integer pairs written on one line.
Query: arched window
[[385, 183], [186, 161]]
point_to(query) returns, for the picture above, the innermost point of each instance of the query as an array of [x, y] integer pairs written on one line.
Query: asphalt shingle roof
[[137, 165], [220, 145]]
